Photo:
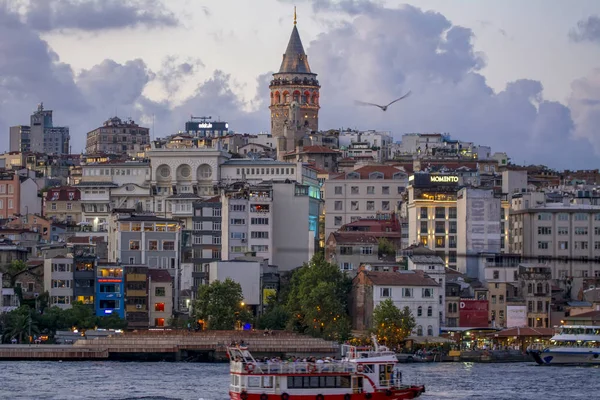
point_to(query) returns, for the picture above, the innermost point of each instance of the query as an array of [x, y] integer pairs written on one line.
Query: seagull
[[384, 108]]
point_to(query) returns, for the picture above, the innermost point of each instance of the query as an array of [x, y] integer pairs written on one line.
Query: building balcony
[[132, 308], [135, 277], [136, 293]]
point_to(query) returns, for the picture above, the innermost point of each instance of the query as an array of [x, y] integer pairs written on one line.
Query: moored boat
[[574, 344], [361, 374]]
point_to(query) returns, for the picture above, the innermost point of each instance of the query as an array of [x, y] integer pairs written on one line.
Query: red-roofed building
[[321, 156], [160, 297], [412, 289], [62, 204], [372, 191]]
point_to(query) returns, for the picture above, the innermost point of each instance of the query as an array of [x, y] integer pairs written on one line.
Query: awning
[[524, 332]]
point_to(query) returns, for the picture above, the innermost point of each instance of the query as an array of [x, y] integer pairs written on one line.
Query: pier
[[173, 346]]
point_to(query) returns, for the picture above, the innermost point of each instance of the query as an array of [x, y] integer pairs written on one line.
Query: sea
[[108, 380]]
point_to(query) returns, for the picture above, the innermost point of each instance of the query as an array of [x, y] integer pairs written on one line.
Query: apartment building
[[110, 290], [136, 296], [564, 236], [18, 195], [413, 289], [206, 239], [160, 295], [58, 281], [535, 285], [63, 204], [425, 260], [117, 137], [362, 193]]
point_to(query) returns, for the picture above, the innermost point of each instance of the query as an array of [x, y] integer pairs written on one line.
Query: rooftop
[[160, 275], [400, 278], [366, 172]]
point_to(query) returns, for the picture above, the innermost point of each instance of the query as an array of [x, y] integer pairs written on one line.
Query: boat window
[[369, 368], [267, 381], [330, 381], [254, 381], [313, 382]]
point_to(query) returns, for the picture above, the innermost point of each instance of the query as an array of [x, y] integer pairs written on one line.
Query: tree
[[18, 324], [318, 300], [386, 247], [15, 267], [276, 317], [80, 316], [220, 305], [391, 324]]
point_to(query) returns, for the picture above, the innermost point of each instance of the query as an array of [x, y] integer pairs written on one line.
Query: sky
[[521, 77]]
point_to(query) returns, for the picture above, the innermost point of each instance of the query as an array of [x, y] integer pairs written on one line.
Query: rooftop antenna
[[203, 119], [294, 15]]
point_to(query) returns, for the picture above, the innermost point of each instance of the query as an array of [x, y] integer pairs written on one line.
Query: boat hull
[[411, 392], [566, 357]]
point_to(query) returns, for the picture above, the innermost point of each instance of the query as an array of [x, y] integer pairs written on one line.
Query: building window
[[53, 206], [134, 245], [370, 189], [338, 206], [337, 221], [429, 311], [366, 250], [429, 330], [259, 235], [440, 241], [237, 207], [152, 245], [385, 206], [563, 230], [237, 221], [423, 212], [385, 190], [168, 245], [581, 230], [426, 292], [407, 292], [452, 212], [419, 330], [159, 307], [544, 217], [543, 245], [581, 217], [354, 190], [160, 291], [216, 212], [347, 266], [563, 245], [440, 227], [386, 292], [419, 311], [544, 230], [259, 248], [338, 190], [563, 217], [354, 205], [259, 221], [440, 212]]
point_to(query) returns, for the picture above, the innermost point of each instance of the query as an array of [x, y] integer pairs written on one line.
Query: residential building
[[31, 280], [160, 294], [44, 137], [255, 171], [58, 281], [18, 195], [117, 137], [364, 193], [63, 204], [535, 283], [206, 240], [110, 290], [350, 250], [34, 223], [413, 289], [478, 223], [85, 256], [375, 144], [294, 97], [20, 139], [564, 236], [321, 157], [136, 296], [424, 259], [10, 251], [452, 304]]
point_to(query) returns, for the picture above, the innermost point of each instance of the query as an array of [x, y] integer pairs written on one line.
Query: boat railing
[[394, 382], [353, 352], [290, 367]]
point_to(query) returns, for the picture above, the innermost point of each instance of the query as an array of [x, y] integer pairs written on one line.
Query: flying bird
[[384, 108]]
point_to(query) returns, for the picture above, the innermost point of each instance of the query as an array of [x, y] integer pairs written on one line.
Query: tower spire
[[294, 15]]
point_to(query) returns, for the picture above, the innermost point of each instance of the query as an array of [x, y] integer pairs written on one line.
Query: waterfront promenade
[[173, 345]]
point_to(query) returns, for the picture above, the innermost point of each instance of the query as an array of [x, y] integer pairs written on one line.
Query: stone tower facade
[[294, 97]]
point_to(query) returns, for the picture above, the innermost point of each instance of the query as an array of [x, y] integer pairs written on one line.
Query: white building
[[362, 193], [246, 273], [58, 281], [514, 181], [425, 260], [377, 144], [478, 221], [255, 171], [413, 289]]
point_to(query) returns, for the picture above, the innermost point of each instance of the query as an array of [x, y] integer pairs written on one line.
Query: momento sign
[[443, 179]]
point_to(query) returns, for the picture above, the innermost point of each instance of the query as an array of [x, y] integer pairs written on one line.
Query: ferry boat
[[574, 344], [360, 374]]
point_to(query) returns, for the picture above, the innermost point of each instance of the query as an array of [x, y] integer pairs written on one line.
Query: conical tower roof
[[295, 60]]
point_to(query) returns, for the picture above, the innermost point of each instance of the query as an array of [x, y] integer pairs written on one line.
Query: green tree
[[80, 316], [18, 324], [318, 300], [220, 305], [391, 324], [15, 267], [386, 247], [276, 317]]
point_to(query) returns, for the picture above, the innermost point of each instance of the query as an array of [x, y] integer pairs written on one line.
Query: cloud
[[96, 15], [173, 72], [587, 30], [585, 107], [425, 52]]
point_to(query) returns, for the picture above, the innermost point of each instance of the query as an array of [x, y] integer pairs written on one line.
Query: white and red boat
[[361, 374]]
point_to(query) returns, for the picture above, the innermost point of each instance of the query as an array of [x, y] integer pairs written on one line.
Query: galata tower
[[294, 96]]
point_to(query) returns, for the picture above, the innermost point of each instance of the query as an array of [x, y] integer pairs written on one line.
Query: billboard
[[516, 316], [473, 313], [425, 180]]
